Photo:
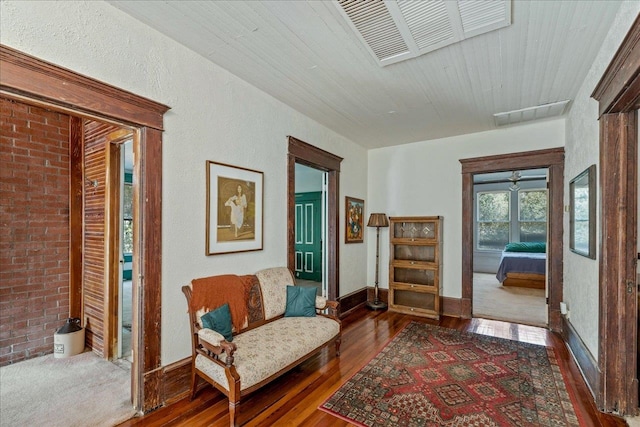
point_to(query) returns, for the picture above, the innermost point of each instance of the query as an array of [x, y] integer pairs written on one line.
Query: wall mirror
[[582, 190]]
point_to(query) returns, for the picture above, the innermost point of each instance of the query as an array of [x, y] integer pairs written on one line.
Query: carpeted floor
[[433, 376], [83, 390], [491, 300]]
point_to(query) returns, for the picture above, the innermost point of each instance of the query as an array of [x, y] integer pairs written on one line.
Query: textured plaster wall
[[214, 116], [581, 291], [425, 178]]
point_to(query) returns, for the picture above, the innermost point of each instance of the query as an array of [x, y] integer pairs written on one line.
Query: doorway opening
[[106, 234], [44, 84], [510, 218], [311, 227], [125, 285], [305, 154], [553, 161]]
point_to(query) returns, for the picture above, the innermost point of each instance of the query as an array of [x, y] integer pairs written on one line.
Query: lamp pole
[[377, 304]]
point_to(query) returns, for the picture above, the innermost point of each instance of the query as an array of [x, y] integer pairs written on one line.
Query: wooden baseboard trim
[[352, 301], [176, 381], [585, 361], [451, 307]]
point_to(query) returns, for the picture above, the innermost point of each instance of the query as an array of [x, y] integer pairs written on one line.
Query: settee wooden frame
[[227, 350]]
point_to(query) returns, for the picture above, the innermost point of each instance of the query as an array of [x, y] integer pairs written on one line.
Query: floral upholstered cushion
[[321, 302], [264, 351], [212, 337], [273, 284]]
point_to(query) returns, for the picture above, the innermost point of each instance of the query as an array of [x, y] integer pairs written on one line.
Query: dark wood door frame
[[113, 240], [33, 81], [306, 154], [553, 159], [618, 94]]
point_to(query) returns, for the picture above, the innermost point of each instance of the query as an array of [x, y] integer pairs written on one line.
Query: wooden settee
[[265, 344]]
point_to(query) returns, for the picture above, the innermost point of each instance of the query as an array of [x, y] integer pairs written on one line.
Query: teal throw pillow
[[219, 320], [301, 301]]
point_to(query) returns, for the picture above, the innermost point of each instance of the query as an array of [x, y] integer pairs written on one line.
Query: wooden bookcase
[[415, 265]]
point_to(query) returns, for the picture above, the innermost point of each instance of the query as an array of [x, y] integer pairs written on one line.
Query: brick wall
[[34, 229]]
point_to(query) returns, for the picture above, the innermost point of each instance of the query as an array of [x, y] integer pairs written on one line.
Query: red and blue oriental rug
[[433, 376]]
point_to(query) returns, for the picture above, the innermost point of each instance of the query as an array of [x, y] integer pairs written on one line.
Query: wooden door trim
[[111, 241], [76, 215], [553, 159], [25, 74], [618, 95], [113, 238], [304, 153], [616, 91], [32, 80]]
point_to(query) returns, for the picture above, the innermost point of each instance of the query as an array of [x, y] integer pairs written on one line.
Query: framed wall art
[[354, 214], [582, 223], [234, 209]]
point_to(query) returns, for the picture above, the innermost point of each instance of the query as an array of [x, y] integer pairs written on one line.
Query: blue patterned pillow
[[219, 320], [301, 301]]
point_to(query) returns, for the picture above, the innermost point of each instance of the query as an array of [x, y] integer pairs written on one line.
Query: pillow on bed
[[535, 247]]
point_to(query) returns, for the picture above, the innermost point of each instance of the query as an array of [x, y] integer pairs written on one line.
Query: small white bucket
[[67, 344]]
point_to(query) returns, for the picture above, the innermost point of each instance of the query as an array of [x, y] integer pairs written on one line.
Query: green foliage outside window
[[532, 215], [493, 220]]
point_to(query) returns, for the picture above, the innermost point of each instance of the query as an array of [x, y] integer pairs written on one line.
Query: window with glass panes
[[494, 219], [532, 215]]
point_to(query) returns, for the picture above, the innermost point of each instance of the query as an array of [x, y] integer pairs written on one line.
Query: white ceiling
[[305, 54]]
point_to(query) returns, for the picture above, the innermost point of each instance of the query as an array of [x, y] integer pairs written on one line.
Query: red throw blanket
[[214, 291]]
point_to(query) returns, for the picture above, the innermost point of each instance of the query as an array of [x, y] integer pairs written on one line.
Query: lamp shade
[[378, 220]]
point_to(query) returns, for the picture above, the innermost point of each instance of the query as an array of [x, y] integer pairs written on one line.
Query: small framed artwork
[[234, 209], [354, 214], [582, 232]]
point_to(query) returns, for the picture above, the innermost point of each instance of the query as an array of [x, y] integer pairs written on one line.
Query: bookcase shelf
[[415, 265]]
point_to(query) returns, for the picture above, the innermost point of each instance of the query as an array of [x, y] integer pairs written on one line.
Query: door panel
[[308, 247], [96, 255]]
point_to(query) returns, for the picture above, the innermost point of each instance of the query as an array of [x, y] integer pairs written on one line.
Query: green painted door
[[308, 237]]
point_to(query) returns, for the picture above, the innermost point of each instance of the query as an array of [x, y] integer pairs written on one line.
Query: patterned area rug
[[433, 376]]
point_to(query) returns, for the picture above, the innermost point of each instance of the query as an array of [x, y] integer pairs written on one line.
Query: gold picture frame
[[354, 220], [234, 209]]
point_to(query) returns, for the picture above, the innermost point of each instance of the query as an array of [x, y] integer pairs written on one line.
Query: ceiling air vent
[[544, 111], [375, 25], [428, 22], [394, 31]]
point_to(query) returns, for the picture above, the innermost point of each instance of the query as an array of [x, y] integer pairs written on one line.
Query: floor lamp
[[377, 220]]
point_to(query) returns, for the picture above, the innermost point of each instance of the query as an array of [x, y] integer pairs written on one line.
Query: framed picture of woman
[[234, 209], [354, 214]]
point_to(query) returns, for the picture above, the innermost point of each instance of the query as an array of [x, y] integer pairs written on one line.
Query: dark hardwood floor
[[293, 399]]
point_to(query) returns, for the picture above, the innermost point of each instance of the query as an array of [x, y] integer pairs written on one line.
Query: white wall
[[214, 116], [582, 150], [424, 178]]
